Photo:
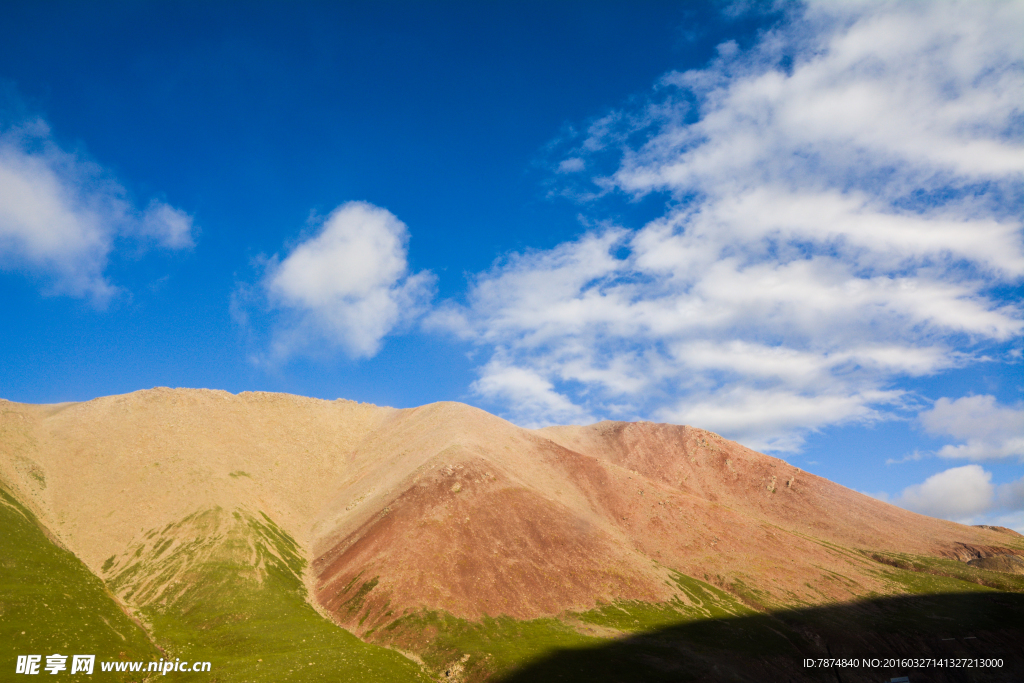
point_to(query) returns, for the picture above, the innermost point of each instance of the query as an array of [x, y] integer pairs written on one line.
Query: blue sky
[[798, 225]]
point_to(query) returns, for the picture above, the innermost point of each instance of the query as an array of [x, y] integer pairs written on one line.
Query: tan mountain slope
[[100, 473], [447, 507]]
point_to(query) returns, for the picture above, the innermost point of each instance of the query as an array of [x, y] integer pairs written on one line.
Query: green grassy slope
[[50, 603], [493, 648], [937, 608], [473, 651], [226, 588], [713, 633]]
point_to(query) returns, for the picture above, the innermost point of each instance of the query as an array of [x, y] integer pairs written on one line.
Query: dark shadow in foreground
[[970, 627]]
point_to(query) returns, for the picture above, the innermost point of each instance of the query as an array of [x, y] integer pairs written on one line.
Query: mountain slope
[[232, 525], [480, 518], [50, 603], [226, 587]]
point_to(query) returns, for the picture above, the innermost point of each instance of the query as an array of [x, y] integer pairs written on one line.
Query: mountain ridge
[[443, 519]]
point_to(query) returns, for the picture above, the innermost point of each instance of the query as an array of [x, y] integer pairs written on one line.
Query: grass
[[51, 603], [226, 588], [722, 618], [695, 601], [920, 575], [494, 645]]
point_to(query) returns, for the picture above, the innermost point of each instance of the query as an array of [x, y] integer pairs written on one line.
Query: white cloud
[[959, 494], [170, 227], [1011, 496], [348, 284], [840, 208], [571, 165], [60, 215], [774, 419], [533, 400], [966, 494], [990, 431]]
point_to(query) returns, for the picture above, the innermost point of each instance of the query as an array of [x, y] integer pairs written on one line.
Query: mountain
[[448, 543]]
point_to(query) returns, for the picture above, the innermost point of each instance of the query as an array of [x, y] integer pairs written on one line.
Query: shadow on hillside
[[770, 648]]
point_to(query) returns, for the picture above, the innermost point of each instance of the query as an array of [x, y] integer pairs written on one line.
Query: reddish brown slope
[[483, 518], [452, 508], [704, 464]]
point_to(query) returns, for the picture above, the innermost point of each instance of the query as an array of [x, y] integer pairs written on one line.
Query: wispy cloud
[[347, 286], [840, 207], [61, 215], [528, 394], [913, 457]]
